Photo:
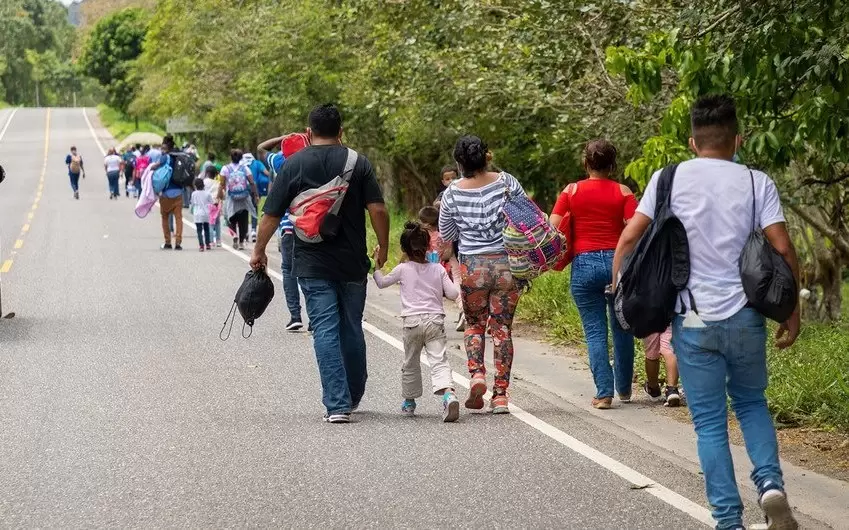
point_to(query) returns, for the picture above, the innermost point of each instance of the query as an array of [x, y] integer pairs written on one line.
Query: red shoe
[[201, 249], [209, 247], [499, 405], [477, 388]]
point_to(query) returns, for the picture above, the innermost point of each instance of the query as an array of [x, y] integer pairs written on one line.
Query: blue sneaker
[[450, 407], [408, 407]]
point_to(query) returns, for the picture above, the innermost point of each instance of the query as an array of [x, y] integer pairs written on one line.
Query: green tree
[[110, 52], [37, 25]]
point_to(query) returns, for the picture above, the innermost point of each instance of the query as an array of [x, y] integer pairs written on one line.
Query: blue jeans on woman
[[75, 181], [336, 311], [114, 186], [592, 272], [728, 358]]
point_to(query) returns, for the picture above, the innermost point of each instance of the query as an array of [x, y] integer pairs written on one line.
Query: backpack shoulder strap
[[664, 188], [350, 163]]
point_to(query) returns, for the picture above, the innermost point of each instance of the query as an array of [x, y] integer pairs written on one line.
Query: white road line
[[676, 500], [8, 122], [93, 134]]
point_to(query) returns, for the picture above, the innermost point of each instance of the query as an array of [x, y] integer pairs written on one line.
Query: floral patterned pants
[[490, 295]]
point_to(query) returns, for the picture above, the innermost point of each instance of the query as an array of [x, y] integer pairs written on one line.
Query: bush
[[808, 383]]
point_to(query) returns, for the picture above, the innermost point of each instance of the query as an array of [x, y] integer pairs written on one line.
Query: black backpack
[[182, 168], [656, 272], [768, 281], [252, 299]]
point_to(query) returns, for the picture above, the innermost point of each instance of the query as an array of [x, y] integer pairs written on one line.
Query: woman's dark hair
[[470, 152], [145, 149], [429, 216], [415, 242], [600, 155], [198, 184], [210, 172], [236, 155]]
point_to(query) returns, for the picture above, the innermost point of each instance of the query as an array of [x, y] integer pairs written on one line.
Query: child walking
[[429, 218], [210, 185], [201, 200], [423, 286], [657, 345]]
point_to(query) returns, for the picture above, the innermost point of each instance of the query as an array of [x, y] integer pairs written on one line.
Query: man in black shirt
[[332, 274]]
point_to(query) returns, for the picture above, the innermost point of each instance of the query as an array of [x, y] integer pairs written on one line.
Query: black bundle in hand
[[252, 299]]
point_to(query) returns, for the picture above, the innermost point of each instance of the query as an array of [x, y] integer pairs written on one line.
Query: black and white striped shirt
[[474, 215]]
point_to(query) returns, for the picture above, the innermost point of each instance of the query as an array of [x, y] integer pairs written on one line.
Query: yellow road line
[[7, 265]]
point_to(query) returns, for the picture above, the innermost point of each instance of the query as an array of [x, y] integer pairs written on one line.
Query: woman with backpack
[[597, 210], [470, 212], [241, 192]]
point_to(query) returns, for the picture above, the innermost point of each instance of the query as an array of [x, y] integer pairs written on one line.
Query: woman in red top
[[599, 208]]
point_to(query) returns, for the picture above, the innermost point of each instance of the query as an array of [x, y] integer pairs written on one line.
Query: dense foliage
[[536, 79], [110, 52], [35, 53], [528, 76]]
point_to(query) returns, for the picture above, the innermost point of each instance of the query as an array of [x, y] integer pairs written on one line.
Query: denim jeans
[[75, 181], [290, 283], [336, 311], [728, 358], [114, 178], [591, 273], [215, 230]]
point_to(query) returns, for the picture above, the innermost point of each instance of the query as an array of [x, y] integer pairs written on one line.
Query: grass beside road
[[808, 383], [120, 126]]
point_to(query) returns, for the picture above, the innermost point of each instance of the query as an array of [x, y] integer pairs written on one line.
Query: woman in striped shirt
[[471, 213]]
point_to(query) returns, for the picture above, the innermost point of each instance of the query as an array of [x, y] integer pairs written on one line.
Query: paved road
[[120, 406]]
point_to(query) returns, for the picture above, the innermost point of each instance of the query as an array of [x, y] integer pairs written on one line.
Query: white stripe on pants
[[428, 332]]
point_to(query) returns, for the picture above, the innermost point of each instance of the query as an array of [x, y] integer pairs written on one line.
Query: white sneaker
[[253, 237], [337, 418], [779, 515]]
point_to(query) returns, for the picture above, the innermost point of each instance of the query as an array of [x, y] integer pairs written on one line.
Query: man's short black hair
[[714, 121], [325, 121], [168, 141]]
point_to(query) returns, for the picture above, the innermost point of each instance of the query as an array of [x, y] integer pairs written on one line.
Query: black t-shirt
[[345, 258]]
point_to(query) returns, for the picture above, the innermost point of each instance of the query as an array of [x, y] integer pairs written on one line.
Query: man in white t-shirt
[[722, 350]]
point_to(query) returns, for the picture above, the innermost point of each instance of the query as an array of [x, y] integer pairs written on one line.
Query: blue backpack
[[162, 175], [260, 179]]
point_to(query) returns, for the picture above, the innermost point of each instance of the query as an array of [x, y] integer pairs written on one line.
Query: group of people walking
[[718, 341]]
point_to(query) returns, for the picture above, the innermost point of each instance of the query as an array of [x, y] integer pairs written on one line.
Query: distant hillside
[[86, 13]]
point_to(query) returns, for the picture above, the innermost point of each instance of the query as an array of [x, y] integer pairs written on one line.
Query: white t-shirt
[[113, 163], [713, 199], [200, 205]]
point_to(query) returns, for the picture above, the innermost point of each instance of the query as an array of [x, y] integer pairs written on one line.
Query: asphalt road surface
[[120, 406]]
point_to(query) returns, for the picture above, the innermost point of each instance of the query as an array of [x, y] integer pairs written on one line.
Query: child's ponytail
[[415, 242]]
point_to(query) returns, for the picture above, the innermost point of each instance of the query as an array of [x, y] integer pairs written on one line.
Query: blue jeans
[[290, 283], [336, 313], [187, 197], [216, 229], [75, 181], [114, 177], [591, 273], [728, 358]]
